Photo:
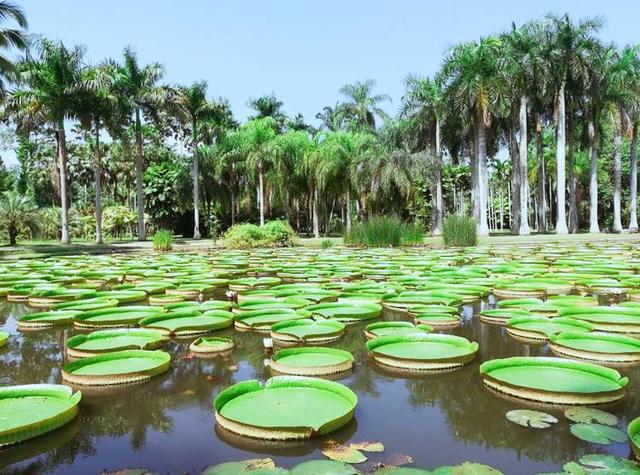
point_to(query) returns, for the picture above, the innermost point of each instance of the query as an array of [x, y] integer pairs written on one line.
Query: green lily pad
[[588, 415], [467, 468], [602, 464], [324, 467], [255, 466], [344, 453], [534, 419], [598, 433]]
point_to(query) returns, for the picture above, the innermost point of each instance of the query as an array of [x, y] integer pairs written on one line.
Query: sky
[[303, 51]]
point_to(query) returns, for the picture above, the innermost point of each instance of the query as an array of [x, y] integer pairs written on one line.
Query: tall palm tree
[[268, 106], [332, 118], [423, 107], [11, 38], [139, 85], [50, 86], [475, 83], [362, 106]]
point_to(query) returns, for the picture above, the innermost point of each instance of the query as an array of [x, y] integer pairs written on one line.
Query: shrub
[[163, 240], [279, 233], [459, 231], [247, 236], [384, 231], [326, 243]]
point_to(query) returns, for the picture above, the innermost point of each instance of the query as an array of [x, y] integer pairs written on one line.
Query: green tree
[[17, 213], [11, 38], [362, 106]]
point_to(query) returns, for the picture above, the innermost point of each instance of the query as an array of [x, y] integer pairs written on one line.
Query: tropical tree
[[11, 38], [50, 86], [268, 106], [474, 81], [17, 213], [362, 106], [144, 96]]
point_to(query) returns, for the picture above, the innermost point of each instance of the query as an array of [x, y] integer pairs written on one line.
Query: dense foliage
[[163, 240], [384, 231], [459, 231], [247, 236]]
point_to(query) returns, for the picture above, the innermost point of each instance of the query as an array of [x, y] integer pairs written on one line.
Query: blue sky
[[303, 51]]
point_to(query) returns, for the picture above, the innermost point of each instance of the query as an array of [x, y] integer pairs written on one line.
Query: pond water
[[167, 424]]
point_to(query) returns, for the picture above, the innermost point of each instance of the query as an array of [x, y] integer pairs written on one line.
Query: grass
[[459, 231], [384, 231]]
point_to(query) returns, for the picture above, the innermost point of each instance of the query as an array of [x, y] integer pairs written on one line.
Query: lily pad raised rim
[[559, 344], [154, 340], [334, 331], [199, 346], [318, 370]]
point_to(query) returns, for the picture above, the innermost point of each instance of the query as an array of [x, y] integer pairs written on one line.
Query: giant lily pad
[[597, 346], [32, 410], [211, 345], [307, 331], [114, 317], [39, 320], [633, 431], [541, 328], [285, 407], [374, 330], [311, 361], [103, 341], [188, 322], [262, 320], [346, 312]]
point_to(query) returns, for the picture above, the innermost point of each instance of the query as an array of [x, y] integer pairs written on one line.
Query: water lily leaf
[[396, 460], [368, 446], [402, 471], [131, 471], [602, 464], [589, 415], [573, 468], [467, 468], [344, 453], [254, 466], [528, 418], [324, 467], [598, 433]]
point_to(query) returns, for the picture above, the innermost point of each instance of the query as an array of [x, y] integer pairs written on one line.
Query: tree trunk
[[515, 177], [593, 177], [542, 199], [233, 206], [633, 181], [617, 172], [439, 208], [261, 195], [573, 203], [139, 179], [480, 205], [62, 164], [316, 218], [13, 235], [97, 178], [524, 169], [196, 186], [561, 217], [348, 211]]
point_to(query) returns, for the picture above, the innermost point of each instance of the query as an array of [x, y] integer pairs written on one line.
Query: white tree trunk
[[348, 210], [481, 177], [196, 194], [524, 169], [261, 196], [561, 218], [593, 178], [62, 164], [633, 182], [139, 179], [617, 178], [316, 218], [439, 211], [97, 178], [542, 199]]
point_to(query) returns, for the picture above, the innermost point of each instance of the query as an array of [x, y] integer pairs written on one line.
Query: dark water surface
[[167, 424]]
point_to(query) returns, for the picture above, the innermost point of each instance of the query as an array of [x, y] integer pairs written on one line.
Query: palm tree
[[473, 80], [17, 212], [268, 106], [139, 86], [11, 38], [50, 87], [423, 107], [361, 106], [332, 118]]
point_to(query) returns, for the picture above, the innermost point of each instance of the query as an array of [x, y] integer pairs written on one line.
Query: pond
[[437, 418]]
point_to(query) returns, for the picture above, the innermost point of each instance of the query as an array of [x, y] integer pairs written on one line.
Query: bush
[[326, 243], [459, 231], [247, 236], [384, 231], [163, 240]]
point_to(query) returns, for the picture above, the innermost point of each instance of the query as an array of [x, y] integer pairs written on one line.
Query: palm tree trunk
[[633, 181], [261, 195], [561, 222], [480, 207], [233, 206], [316, 218], [617, 172], [97, 178], [515, 177], [542, 199], [593, 177], [196, 186], [439, 205], [573, 203], [524, 170], [13, 235], [139, 179], [62, 164], [348, 210]]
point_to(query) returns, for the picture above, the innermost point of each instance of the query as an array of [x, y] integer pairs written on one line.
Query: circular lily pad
[[311, 361], [597, 346], [375, 330], [262, 320], [541, 328], [598, 433], [87, 304], [435, 320], [607, 319], [633, 431], [188, 322], [116, 367], [324, 467], [422, 351], [128, 316], [589, 415], [285, 407], [553, 380], [346, 312], [103, 341], [35, 409], [528, 418], [211, 345], [38, 320], [499, 316], [307, 331]]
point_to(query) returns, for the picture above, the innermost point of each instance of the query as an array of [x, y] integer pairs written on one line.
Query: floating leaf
[[255, 466], [528, 418], [368, 446], [402, 471], [467, 468], [609, 464], [344, 453], [589, 415], [396, 460], [598, 433], [130, 471], [324, 467]]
